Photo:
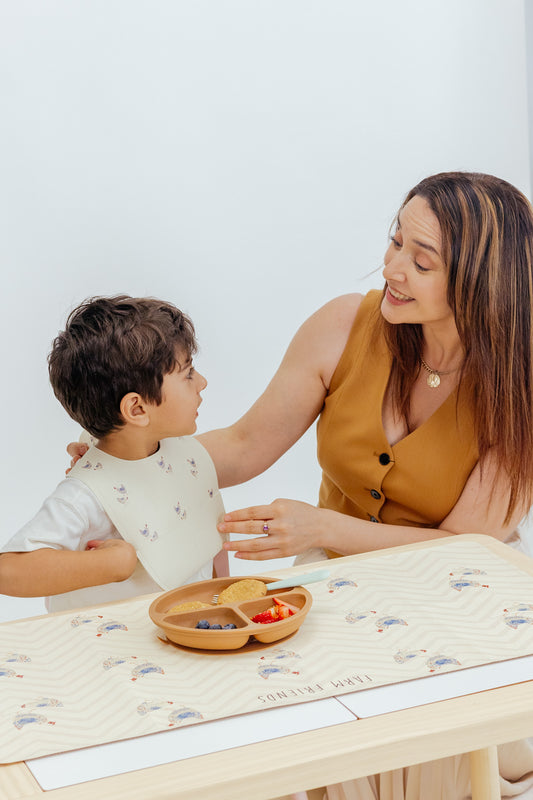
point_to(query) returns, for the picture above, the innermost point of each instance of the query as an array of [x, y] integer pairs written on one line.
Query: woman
[[424, 393], [424, 399]]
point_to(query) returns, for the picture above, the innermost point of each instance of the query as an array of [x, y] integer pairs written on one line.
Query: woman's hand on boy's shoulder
[[76, 450]]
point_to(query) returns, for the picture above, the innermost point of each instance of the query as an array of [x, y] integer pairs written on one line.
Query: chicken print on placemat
[[146, 668], [353, 617], [278, 662], [182, 714], [23, 718], [43, 702], [176, 716], [439, 661], [140, 669], [12, 658], [388, 621], [404, 656], [112, 625], [83, 619], [115, 661], [518, 615], [104, 626], [19, 658], [463, 579], [29, 716], [340, 583], [7, 672], [433, 663], [180, 511], [382, 622]]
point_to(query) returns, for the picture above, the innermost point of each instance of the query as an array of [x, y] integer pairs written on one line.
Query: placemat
[[77, 679]]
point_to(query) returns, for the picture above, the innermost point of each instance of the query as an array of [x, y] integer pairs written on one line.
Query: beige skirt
[[445, 779]]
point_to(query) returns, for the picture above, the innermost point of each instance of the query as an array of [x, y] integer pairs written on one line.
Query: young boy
[[138, 512]]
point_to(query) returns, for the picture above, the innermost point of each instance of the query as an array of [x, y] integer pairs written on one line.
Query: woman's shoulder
[[342, 310], [327, 331], [335, 319], [346, 301]]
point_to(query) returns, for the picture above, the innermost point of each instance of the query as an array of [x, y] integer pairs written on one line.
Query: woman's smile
[[395, 297]]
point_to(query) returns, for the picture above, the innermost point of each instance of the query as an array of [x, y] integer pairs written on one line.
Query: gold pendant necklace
[[433, 378]]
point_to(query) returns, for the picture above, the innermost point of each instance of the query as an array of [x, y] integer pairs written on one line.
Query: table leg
[[484, 774]]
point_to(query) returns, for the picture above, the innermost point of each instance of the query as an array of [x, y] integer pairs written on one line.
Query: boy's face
[[177, 412]]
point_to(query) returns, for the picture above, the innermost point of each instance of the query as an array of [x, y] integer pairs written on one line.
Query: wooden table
[[474, 723]]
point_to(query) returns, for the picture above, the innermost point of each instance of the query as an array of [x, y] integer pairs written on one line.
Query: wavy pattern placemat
[[77, 679]]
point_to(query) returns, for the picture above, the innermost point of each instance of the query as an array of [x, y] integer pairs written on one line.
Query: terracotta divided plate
[[180, 627]]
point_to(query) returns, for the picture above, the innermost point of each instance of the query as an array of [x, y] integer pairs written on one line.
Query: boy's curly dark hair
[[112, 346]]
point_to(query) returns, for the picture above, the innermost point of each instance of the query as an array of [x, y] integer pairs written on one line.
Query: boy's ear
[[133, 409]]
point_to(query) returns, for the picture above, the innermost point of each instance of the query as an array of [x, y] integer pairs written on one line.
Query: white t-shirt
[[69, 518]]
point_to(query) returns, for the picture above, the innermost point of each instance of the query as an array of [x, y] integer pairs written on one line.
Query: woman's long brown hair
[[487, 246]]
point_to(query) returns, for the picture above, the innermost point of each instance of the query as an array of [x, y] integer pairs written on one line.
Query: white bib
[[167, 505]]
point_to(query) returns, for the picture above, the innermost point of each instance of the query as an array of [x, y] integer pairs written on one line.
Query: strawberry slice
[[265, 617], [284, 610], [275, 613]]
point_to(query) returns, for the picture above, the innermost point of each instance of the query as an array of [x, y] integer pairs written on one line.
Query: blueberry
[[203, 624], [230, 626], [216, 627]]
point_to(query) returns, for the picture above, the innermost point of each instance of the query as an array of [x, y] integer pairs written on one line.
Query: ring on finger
[[266, 528]]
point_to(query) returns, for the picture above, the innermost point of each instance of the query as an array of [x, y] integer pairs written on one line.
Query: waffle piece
[[247, 589], [192, 605]]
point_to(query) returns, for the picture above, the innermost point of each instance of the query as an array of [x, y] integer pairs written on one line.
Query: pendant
[[433, 380]]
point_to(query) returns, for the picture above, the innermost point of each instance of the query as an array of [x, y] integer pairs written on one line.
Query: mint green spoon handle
[[300, 580]]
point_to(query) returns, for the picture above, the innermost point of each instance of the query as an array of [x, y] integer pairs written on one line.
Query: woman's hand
[[76, 450], [285, 528]]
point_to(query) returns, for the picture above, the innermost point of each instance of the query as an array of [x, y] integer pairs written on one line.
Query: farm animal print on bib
[[167, 505]]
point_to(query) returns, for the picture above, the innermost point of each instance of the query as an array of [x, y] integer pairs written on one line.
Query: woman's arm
[[47, 571], [292, 400], [295, 526]]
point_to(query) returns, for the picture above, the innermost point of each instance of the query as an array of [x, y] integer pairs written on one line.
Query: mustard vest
[[419, 479], [167, 505]]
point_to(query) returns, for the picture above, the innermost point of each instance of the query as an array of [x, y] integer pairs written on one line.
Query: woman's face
[[414, 270]]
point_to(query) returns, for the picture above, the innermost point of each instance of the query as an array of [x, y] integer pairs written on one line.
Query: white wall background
[[240, 158]]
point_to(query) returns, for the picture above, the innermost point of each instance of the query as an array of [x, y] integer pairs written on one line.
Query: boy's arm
[[47, 571], [69, 544]]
